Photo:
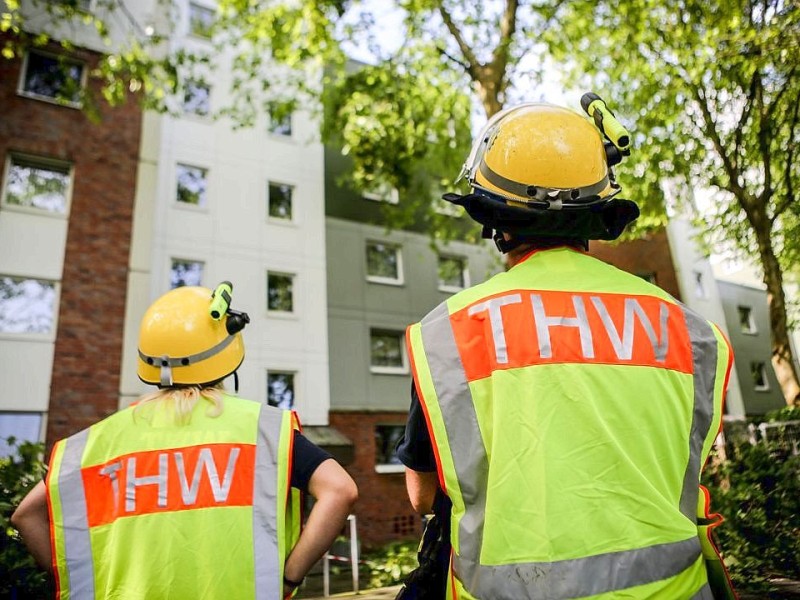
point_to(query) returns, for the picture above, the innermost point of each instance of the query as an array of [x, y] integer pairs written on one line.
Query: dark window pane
[[280, 200], [382, 261], [386, 438], [451, 272], [280, 296], [186, 272], [280, 119], [191, 185], [52, 77], [386, 349], [280, 390]]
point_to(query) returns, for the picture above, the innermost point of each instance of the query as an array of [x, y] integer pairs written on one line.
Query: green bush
[[19, 575], [390, 564], [757, 490]]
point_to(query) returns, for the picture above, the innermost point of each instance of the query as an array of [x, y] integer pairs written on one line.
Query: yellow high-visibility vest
[[571, 407], [142, 508]]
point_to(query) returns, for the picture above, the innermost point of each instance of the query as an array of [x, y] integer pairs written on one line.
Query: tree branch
[[472, 65], [452, 58], [789, 196], [508, 25]]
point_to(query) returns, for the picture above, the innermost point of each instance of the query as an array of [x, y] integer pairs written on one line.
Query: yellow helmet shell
[[540, 152], [181, 344]]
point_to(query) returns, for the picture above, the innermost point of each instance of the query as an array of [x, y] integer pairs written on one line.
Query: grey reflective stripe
[[183, 361], [77, 543], [541, 192], [461, 423], [579, 577], [704, 360], [268, 581], [704, 593]]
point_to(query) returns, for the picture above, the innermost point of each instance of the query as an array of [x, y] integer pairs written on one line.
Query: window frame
[[388, 467], [293, 280], [292, 189], [443, 287], [174, 259], [203, 8], [380, 194], [398, 248], [294, 375], [192, 84], [43, 162], [47, 336], [403, 369], [751, 328], [189, 205], [21, 91], [762, 366]]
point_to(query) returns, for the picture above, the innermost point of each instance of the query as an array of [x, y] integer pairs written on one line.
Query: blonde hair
[[181, 401]]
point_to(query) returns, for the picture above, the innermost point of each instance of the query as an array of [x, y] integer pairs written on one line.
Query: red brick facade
[[383, 510], [104, 155], [649, 255]]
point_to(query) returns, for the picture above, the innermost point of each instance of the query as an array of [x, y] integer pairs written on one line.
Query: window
[[386, 352], [453, 273], [384, 263], [382, 193], [26, 305], [52, 78], [201, 20], [746, 320], [23, 427], [280, 389], [197, 98], [648, 277], [185, 272], [280, 119], [280, 201], [699, 285], [38, 183], [386, 438], [280, 292], [758, 371], [192, 185]]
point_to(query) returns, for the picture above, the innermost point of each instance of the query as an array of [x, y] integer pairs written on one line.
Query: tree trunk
[[782, 355]]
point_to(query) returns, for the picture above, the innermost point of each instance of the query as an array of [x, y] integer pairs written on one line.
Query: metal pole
[[354, 550], [326, 576]]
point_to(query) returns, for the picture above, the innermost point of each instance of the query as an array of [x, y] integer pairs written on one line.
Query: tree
[[713, 88]]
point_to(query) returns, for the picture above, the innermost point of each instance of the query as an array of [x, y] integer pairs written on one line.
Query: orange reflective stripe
[[169, 480], [520, 328]]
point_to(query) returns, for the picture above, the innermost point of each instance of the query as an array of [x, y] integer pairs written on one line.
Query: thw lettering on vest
[[173, 479], [523, 328]]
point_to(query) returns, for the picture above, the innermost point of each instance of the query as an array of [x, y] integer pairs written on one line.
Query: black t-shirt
[[414, 449], [306, 457]]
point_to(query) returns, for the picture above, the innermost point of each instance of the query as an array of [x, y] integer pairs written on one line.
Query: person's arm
[[335, 493], [421, 489], [32, 520]]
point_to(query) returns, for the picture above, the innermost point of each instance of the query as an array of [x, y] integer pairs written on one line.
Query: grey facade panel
[[751, 347]]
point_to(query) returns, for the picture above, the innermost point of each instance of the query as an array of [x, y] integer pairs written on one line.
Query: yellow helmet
[[539, 170], [541, 155], [189, 336]]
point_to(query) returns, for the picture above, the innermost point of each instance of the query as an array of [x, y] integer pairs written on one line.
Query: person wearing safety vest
[[565, 407], [192, 492]]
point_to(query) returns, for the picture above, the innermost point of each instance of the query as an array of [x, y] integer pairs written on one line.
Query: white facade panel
[[26, 368]]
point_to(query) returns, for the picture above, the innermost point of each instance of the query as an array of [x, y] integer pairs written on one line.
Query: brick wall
[[648, 255], [383, 511], [104, 155]]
